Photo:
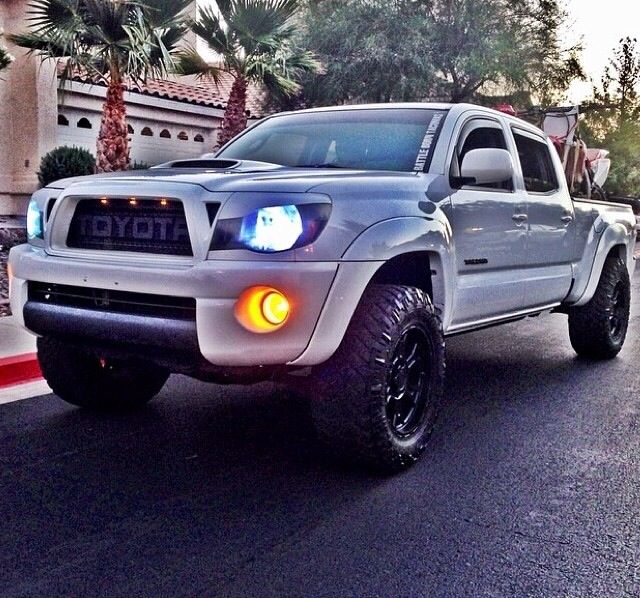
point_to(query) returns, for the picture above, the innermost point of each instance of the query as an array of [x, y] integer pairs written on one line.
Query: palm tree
[[5, 58], [113, 42], [255, 42]]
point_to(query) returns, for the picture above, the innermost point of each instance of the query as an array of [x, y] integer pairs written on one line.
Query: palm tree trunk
[[235, 115], [113, 139]]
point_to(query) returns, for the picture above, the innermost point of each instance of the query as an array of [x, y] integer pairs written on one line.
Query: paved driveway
[[531, 487]]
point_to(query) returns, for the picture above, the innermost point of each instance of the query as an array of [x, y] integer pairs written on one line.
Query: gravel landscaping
[[8, 238]]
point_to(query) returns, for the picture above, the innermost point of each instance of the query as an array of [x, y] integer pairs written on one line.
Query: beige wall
[[80, 101], [29, 116]]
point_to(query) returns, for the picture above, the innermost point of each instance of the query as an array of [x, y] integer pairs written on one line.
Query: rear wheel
[[380, 393], [93, 382], [598, 329]]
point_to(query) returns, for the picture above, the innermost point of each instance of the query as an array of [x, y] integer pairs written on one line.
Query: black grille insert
[[124, 302], [128, 224]]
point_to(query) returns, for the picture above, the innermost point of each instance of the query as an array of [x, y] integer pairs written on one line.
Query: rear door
[[489, 229], [550, 220]]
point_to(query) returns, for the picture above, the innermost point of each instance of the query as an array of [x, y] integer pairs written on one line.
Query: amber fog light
[[262, 309]]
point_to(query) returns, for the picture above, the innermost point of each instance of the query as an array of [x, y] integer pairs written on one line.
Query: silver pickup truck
[[335, 248]]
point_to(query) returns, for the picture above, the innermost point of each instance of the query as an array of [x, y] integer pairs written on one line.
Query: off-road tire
[[350, 409], [98, 384], [598, 329]]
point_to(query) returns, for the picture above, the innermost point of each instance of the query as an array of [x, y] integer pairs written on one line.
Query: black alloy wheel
[[408, 382]]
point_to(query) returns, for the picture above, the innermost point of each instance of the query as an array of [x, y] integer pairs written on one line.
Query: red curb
[[19, 369]]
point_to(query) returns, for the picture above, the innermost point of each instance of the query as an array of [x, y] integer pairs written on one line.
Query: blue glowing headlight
[[35, 228], [271, 229]]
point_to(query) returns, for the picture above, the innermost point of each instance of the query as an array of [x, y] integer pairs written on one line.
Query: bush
[[64, 162]]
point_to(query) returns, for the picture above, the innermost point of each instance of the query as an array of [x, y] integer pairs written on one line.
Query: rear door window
[[537, 165]]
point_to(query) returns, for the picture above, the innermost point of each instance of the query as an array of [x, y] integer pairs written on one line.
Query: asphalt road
[[530, 487]]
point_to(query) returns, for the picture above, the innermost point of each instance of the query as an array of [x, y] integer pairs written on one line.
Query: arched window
[[165, 134], [146, 132], [182, 136], [63, 120], [84, 123], [198, 138], [130, 130]]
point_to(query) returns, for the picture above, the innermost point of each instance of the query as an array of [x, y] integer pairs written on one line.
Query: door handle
[[520, 217], [566, 219]]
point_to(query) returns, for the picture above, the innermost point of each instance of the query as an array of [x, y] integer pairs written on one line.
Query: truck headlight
[[35, 225], [272, 229]]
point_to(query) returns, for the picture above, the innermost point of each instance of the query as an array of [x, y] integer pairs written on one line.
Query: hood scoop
[[206, 163]]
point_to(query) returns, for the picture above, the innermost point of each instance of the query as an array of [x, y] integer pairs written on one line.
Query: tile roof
[[203, 92]]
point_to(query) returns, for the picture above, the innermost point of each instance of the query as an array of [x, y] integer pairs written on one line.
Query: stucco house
[[167, 119]]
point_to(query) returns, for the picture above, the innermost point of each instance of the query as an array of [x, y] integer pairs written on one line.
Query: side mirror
[[486, 166]]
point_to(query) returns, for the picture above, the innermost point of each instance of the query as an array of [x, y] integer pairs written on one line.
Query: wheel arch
[[420, 269], [406, 243], [615, 240], [405, 251]]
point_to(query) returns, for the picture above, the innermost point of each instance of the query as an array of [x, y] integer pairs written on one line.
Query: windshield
[[399, 139]]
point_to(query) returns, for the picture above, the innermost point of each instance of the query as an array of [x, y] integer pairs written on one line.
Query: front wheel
[[101, 384], [598, 329], [380, 392]]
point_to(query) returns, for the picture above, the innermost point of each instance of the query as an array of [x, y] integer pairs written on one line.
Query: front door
[[490, 233]]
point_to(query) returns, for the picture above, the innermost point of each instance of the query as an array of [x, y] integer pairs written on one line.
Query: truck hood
[[359, 199], [248, 176]]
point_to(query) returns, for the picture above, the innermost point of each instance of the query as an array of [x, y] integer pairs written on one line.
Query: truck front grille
[[154, 226], [124, 302]]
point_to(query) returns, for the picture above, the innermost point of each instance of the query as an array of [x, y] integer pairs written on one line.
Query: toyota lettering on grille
[[159, 228], [118, 224]]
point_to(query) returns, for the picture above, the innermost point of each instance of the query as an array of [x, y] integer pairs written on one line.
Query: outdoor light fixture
[[262, 309], [35, 227], [273, 228]]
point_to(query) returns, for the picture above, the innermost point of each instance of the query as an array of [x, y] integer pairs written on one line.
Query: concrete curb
[[19, 369]]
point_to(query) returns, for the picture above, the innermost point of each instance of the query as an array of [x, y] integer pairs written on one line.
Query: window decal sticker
[[427, 142]]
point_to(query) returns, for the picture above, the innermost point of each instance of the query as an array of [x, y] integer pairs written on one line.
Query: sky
[[599, 25]]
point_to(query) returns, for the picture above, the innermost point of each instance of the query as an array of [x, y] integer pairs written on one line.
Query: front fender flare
[[363, 258]]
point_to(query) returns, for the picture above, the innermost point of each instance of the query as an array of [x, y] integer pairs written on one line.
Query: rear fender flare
[[590, 268]]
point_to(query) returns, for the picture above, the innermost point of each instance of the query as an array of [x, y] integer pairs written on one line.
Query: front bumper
[[215, 285]]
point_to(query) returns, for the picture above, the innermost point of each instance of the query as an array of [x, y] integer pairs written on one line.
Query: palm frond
[[281, 71], [117, 39], [211, 30], [41, 45], [107, 20], [45, 16], [166, 13], [190, 62], [261, 25], [255, 39]]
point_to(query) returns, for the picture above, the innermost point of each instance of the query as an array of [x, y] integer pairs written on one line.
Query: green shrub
[[64, 162]]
